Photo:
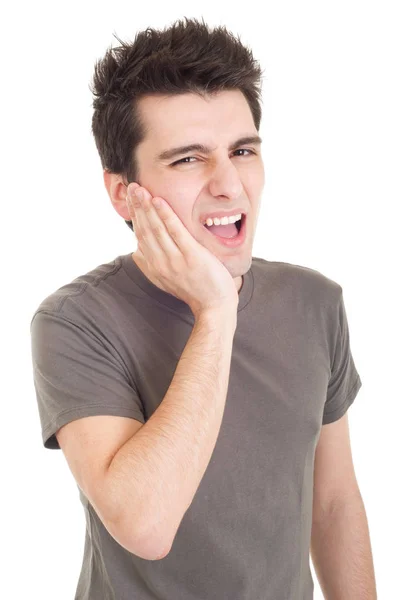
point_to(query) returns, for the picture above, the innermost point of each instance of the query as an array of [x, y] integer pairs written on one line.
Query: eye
[[181, 161]]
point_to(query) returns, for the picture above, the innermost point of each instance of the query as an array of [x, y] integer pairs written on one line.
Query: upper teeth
[[223, 220]]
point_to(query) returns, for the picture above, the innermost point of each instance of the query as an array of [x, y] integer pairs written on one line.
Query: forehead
[[172, 120]]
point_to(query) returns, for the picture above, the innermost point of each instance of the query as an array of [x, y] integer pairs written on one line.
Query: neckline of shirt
[[245, 293]]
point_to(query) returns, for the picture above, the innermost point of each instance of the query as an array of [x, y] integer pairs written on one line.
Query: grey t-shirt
[[108, 343]]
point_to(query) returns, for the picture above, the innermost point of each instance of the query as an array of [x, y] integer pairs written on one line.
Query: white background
[[330, 132]]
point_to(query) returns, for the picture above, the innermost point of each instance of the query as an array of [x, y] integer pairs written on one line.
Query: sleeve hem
[[66, 416], [336, 414]]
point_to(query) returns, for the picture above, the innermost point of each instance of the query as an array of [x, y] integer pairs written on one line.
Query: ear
[[117, 191]]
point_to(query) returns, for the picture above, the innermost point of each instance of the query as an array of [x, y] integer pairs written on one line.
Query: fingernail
[[139, 194]]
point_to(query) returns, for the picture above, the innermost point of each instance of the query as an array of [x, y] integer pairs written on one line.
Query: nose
[[225, 181]]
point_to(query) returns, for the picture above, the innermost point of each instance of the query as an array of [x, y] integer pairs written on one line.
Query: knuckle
[[139, 235], [172, 228], [158, 230], [158, 269], [191, 260], [146, 205], [153, 266], [175, 267]]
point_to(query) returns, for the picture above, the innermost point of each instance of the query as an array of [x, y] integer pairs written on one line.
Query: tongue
[[225, 231]]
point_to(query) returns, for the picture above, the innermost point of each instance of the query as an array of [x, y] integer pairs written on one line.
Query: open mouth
[[232, 235], [237, 224]]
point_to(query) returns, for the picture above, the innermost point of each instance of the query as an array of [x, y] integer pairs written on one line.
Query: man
[[200, 394]]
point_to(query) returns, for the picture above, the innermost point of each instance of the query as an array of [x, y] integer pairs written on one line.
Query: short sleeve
[[76, 375], [344, 382]]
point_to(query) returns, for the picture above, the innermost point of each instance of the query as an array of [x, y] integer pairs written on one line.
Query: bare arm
[[154, 476], [341, 551]]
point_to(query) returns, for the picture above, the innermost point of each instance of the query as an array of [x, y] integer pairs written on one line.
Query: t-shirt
[[108, 343]]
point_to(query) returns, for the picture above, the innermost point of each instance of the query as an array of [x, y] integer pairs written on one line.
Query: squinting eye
[[181, 161]]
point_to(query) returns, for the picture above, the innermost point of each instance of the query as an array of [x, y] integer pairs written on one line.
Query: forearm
[[341, 553], [156, 474]]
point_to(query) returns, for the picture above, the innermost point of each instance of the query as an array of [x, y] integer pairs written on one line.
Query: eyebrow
[[173, 152]]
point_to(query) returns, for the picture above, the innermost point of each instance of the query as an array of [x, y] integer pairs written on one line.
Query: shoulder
[[302, 278], [85, 295]]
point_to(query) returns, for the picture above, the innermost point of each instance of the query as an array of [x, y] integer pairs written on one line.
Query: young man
[[199, 394]]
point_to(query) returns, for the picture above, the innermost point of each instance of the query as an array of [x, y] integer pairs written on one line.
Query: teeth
[[223, 220]]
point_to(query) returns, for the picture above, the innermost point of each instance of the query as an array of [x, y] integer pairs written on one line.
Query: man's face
[[221, 180]]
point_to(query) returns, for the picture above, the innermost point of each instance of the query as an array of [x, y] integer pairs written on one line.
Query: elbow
[[150, 545]]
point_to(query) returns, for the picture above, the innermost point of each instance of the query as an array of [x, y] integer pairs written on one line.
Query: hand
[[185, 268]]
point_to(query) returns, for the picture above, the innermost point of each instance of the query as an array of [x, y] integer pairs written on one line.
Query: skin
[[220, 180]]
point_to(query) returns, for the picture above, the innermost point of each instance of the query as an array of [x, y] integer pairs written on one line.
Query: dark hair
[[180, 59]]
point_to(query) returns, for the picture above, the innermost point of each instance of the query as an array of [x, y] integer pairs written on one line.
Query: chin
[[236, 265]]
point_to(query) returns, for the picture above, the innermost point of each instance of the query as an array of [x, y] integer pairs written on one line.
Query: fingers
[[175, 228], [150, 230]]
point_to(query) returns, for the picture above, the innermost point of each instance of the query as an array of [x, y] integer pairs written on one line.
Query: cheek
[[180, 198], [184, 208], [258, 178], [184, 201]]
